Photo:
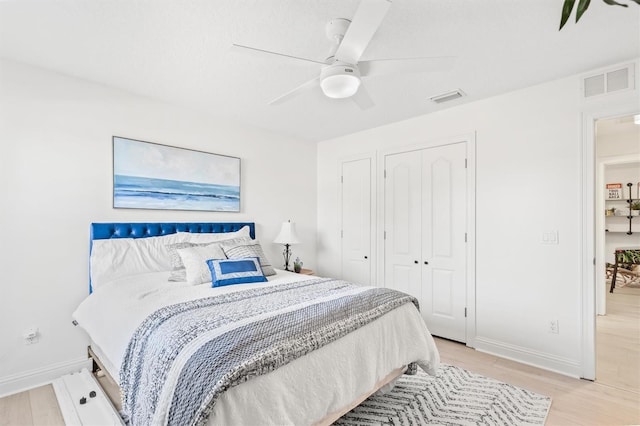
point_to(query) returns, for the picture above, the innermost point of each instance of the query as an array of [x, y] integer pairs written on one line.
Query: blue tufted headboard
[[103, 231]]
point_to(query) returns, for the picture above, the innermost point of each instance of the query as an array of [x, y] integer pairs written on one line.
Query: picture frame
[[148, 175], [614, 191]]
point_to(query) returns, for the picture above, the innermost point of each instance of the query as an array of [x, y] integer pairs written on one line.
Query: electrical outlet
[[549, 237], [31, 335], [554, 327]]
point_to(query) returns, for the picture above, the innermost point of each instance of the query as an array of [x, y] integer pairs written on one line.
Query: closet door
[[356, 221], [444, 201], [402, 204]]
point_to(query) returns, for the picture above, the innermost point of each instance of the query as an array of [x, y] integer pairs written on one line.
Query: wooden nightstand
[[307, 271]]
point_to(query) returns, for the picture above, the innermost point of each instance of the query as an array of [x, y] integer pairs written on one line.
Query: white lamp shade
[[287, 234]]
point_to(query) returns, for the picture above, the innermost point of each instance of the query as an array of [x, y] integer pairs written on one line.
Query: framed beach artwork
[[152, 176]]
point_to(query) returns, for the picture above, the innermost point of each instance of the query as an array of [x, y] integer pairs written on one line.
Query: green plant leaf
[[582, 7], [567, 7], [629, 256], [636, 1], [615, 3]]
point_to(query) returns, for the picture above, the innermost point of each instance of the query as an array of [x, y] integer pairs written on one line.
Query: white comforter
[[301, 392]]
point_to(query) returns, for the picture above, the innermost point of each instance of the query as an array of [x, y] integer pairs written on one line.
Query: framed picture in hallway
[[148, 175], [614, 191]]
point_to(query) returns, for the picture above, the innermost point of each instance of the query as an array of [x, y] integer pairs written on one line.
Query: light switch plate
[[549, 237]]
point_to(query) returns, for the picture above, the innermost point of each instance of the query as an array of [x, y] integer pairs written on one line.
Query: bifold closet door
[[402, 234], [425, 204], [444, 206], [356, 221]]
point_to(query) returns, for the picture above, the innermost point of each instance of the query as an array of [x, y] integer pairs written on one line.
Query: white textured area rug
[[454, 397]]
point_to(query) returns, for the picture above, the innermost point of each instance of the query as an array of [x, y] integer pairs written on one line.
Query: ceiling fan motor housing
[[340, 80]]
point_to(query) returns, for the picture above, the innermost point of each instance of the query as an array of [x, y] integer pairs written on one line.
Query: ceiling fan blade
[[238, 48], [363, 26], [362, 98], [305, 87], [405, 66]]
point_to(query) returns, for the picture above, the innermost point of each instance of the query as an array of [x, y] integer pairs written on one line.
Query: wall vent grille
[[609, 81]]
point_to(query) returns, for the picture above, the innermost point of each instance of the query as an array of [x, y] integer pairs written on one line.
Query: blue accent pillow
[[235, 271]]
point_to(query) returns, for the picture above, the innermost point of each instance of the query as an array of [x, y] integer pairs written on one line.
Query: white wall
[[528, 179], [56, 178]]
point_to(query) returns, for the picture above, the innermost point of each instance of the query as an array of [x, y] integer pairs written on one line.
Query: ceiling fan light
[[340, 86], [340, 81]]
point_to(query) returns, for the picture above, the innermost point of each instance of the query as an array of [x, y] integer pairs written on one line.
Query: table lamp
[[287, 236]]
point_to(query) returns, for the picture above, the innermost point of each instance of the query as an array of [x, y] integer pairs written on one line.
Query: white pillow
[[119, 257], [207, 237], [195, 261], [178, 273]]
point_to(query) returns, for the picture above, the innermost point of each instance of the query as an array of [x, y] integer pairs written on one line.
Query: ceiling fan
[[342, 72]]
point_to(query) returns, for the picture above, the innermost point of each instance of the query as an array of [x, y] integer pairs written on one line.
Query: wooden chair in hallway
[[627, 257]]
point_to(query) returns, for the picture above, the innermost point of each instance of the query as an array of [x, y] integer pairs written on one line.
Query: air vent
[[608, 81], [446, 97], [594, 86]]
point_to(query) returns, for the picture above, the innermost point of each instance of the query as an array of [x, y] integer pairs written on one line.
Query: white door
[[356, 221], [425, 224], [444, 205], [402, 242]]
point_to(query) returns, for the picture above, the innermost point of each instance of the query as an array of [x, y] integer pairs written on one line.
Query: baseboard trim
[[557, 364], [40, 376]]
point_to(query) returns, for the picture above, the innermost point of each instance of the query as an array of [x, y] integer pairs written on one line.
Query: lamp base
[[287, 256]]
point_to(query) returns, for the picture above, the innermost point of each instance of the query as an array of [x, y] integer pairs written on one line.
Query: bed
[[139, 330]]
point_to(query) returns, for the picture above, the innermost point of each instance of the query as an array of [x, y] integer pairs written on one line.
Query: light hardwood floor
[[614, 399], [618, 340], [33, 407]]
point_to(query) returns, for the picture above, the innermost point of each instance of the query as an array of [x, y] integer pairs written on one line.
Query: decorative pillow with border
[[235, 271], [247, 249]]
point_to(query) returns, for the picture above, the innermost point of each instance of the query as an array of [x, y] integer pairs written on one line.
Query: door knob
[[366, 257], [426, 263], [415, 261]]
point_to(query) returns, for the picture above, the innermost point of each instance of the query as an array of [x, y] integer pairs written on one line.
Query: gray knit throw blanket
[[182, 357]]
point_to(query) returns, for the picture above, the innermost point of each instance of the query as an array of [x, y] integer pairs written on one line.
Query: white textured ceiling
[[178, 51]]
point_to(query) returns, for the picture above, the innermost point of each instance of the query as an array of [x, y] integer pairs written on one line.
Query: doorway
[[617, 166]]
